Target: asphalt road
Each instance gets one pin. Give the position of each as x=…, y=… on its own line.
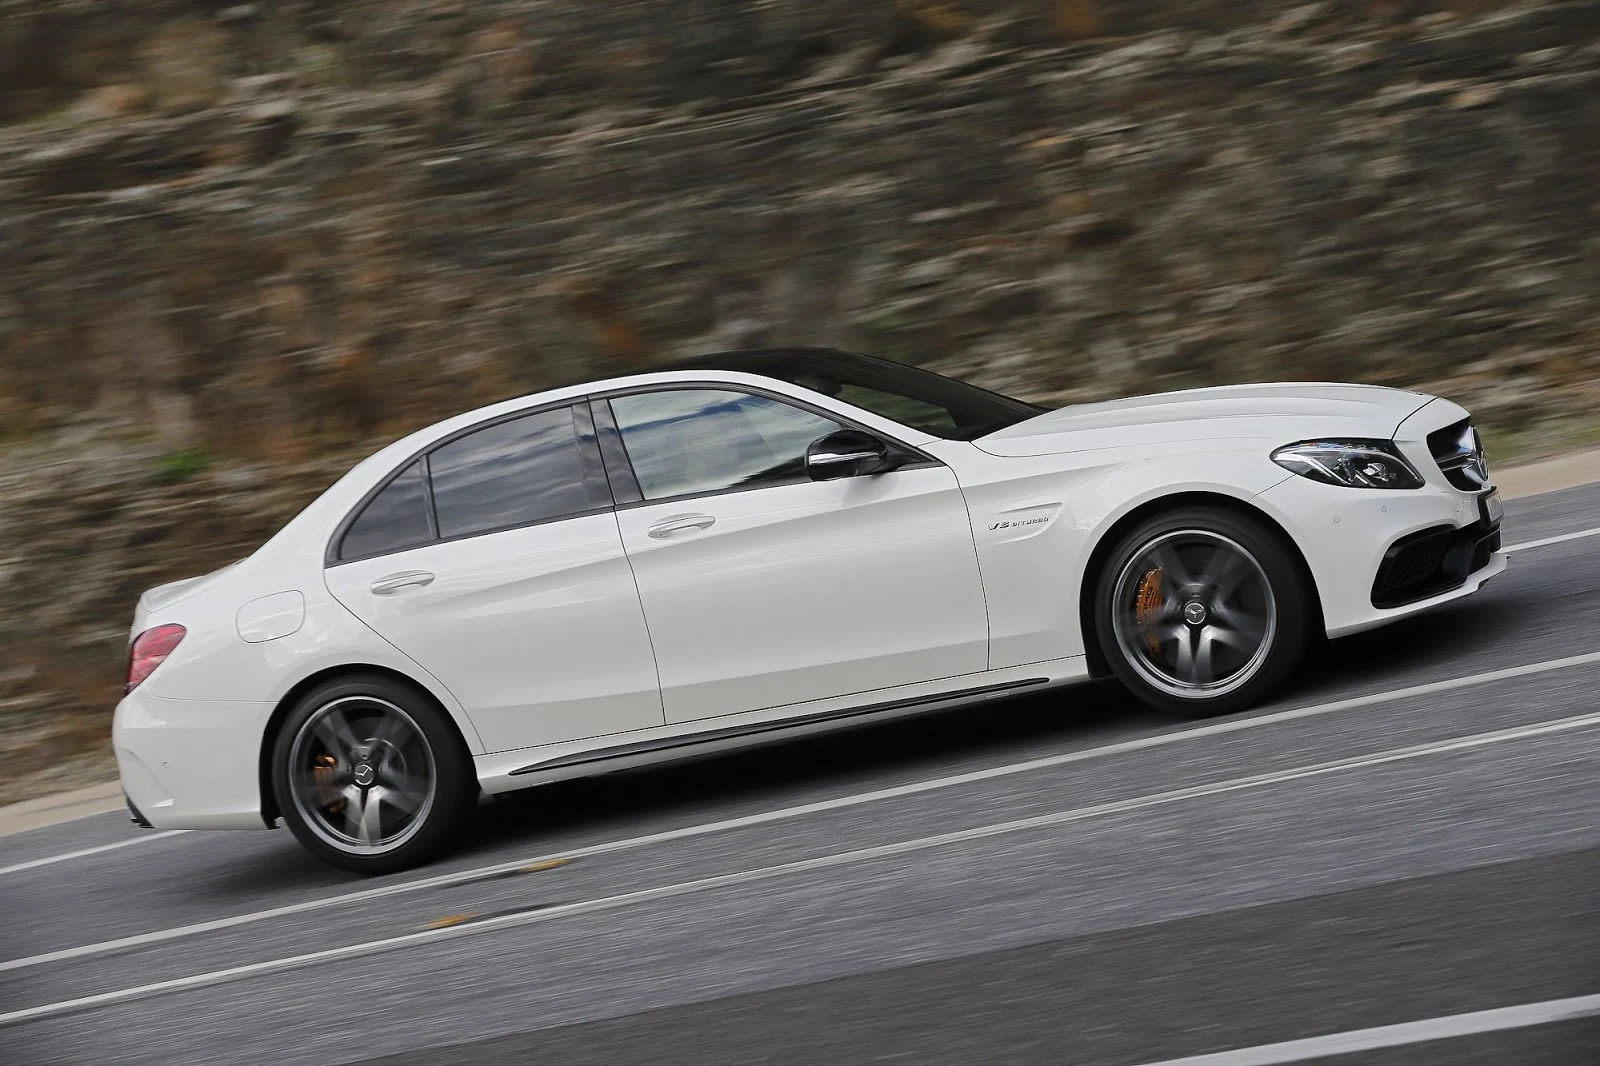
x=1408, y=836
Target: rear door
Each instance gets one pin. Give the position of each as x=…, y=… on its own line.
x=763, y=588
x=495, y=562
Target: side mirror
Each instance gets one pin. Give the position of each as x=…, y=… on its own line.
x=846, y=453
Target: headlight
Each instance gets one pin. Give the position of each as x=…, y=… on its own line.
x=1361, y=464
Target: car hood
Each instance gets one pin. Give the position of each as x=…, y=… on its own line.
x=1287, y=411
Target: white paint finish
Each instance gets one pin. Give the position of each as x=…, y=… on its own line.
x=808, y=591
x=1543, y=542
x=537, y=631
x=82, y=853
x=186, y=763
x=1449, y=1027
x=1285, y=412
x=822, y=862
x=1159, y=740
x=1343, y=533
x=793, y=595
x=498, y=772
x=1033, y=583
x=271, y=617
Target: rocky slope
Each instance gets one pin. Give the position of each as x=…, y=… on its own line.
x=245, y=242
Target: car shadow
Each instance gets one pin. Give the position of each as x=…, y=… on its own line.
x=777, y=771
x=797, y=770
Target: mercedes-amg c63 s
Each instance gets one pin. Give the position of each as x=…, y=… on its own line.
x=763, y=544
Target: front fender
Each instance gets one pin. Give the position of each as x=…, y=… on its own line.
x=1037, y=520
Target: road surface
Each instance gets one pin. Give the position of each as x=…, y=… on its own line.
x=1400, y=856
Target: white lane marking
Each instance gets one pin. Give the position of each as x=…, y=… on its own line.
x=50, y=860
x=1521, y=1016
x=768, y=873
x=1543, y=541
x=783, y=813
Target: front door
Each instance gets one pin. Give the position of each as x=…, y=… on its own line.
x=495, y=562
x=763, y=588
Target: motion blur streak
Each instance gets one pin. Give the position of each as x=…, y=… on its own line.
x=767, y=873
x=1384, y=1036
x=1142, y=743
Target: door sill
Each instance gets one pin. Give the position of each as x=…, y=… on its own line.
x=712, y=736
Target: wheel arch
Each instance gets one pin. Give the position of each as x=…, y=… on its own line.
x=1108, y=539
x=269, y=738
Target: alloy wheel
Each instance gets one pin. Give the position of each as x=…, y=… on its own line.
x=1194, y=613
x=362, y=775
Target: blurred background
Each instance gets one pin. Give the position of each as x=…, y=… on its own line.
x=242, y=245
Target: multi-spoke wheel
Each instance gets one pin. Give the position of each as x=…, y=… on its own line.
x=1201, y=611
x=369, y=775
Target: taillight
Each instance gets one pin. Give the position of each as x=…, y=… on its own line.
x=150, y=649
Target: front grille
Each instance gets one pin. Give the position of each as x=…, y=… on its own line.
x=1458, y=449
x=1433, y=561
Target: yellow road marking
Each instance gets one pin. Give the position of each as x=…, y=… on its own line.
x=539, y=867
x=448, y=920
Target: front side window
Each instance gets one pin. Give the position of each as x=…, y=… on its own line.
x=684, y=442
x=393, y=520
x=529, y=469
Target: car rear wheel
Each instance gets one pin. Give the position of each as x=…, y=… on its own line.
x=1201, y=611
x=370, y=775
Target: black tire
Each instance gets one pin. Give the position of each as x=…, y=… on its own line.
x=363, y=745
x=1240, y=644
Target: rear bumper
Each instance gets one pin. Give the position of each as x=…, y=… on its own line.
x=190, y=764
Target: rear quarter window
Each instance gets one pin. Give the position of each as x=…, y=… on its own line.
x=393, y=520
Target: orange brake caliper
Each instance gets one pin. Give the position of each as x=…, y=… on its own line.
x=1147, y=607
x=322, y=768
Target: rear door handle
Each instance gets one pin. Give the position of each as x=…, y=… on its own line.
x=668, y=526
x=392, y=583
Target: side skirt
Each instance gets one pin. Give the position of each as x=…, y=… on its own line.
x=713, y=736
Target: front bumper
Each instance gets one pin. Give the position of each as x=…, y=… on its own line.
x=1349, y=539
x=190, y=764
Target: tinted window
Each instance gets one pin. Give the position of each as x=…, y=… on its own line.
x=684, y=441
x=526, y=470
x=918, y=398
x=394, y=519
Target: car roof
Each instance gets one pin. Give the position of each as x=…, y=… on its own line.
x=765, y=360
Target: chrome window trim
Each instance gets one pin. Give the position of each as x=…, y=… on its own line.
x=592, y=465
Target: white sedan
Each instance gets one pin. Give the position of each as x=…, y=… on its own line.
x=763, y=544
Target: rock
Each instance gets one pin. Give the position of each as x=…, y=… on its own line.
x=502, y=58
x=111, y=102
x=1475, y=96
x=239, y=14
x=185, y=66
x=267, y=128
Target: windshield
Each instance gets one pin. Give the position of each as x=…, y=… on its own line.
x=917, y=398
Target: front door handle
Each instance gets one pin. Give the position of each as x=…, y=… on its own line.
x=668, y=526
x=389, y=585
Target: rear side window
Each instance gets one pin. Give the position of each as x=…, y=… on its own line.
x=394, y=519
x=530, y=469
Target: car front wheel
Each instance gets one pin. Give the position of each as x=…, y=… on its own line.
x=370, y=776
x=1201, y=611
